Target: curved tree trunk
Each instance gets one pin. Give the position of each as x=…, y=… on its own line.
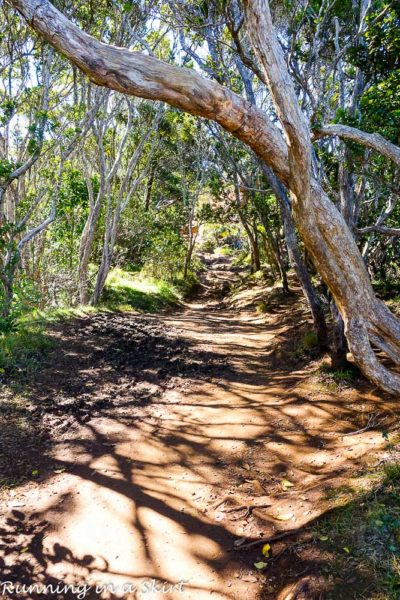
x=323, y=229
x=324, y=232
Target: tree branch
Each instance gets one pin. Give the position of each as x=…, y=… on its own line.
x=391, y=231
x=136, y=74
x=271, y=58
x=375, y=141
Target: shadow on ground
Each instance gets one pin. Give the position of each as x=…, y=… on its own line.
x=168, y=441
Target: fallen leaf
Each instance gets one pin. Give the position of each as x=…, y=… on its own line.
x=24, y=550
x=284, y=516
x=286, y=484
x=265, y=550
x=324, y=538
x=260, y=565
x=258, y=487
x=346, y=550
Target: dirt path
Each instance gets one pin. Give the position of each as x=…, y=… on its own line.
x=160, y=427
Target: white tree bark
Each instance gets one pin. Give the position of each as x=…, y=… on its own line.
x=136, y=74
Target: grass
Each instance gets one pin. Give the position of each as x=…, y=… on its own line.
x=336, y=379
x=307, y=344
x=339, y=493
x=262, y=307
x=241, y=258
x=361, y=540
x=224, y=251
x=22, y=350
x=309, y=341
x=126, y=291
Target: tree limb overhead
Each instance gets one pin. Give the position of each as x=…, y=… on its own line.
x=375, y=141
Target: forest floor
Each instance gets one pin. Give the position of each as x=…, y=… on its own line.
x=162, y=449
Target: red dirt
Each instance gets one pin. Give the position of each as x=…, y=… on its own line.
x=158, y=429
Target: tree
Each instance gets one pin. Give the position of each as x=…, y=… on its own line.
x=33, y=142
x=323, y=229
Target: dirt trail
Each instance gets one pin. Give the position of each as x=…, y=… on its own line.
x=145, y=450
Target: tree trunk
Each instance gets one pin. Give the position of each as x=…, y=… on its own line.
x=85, y=250
x=296, y=259
x=8, y=288
x=110, y=236
x=323, y=229
x=252, y=237
x=271, y=259
x=188, y=259
x=102, y=274
x=338, y=353
x=255, y=250
x=7, y=277
x=276, y=252
x=149, y=187
x=253, y=245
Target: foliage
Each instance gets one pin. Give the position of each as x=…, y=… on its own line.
x=309, y=340
x=362, y=539
x=344, y=376
x=23, y=349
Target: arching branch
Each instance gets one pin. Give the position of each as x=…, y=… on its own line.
x=139, y=75
x=375, y=141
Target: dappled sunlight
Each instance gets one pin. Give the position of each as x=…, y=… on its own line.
x=161, y=481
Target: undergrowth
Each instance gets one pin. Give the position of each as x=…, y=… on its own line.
x=22, y=349
x=126, y=291
x=362, y=540
x=336, y=379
